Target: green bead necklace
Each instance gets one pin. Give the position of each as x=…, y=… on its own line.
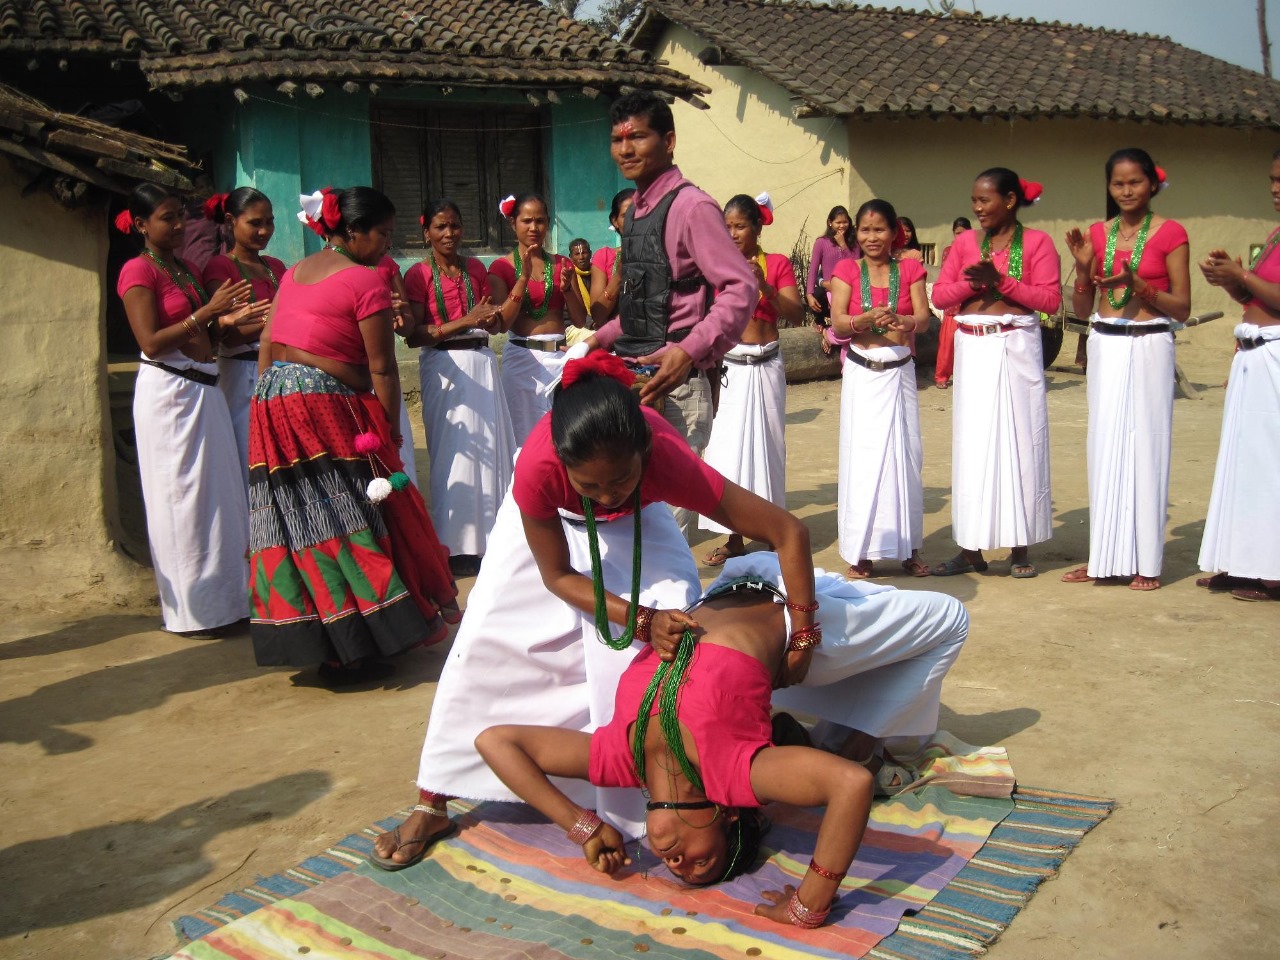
x=1108, y=263
x=548, y=278
x=597, y=577
x=191, y=289
x=1015, y=255
x=436, y=270
x=1266, y=249
x=895, y=287
x=244, y=275
x=669, y=678
x=338, y=248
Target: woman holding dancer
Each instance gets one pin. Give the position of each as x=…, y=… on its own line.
x=192, y=491
x=1138, y=266
x=606, y=272
x=999, y=282
x=537, y=298
x=247, y=213
x=1241, y=545
x=585, y=539
x=748, y=441
x=346, y=567
x=877, y=303
x=945, y=362
x=712, y=758
x=464, y=413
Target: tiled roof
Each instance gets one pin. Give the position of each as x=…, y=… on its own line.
x=84, y=151
x=849, y=60
x=190, y=43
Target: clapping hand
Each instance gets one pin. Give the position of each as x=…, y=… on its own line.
x=1220, y=269
x=1081, y=247
x=983, y=274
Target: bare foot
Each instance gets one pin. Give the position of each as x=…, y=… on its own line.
x=1144, y=583
x=419, y=829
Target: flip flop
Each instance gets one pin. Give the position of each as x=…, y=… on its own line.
x=451, y=615
x=917, y=568
x=1223, y=582
x=1146, y=585
x=958, y=565
x=1078, y=575
x=386, y=863
x=1023, y=571
x=863, y=570
x=718, y=556
x=1259, y=593
x=888, y=773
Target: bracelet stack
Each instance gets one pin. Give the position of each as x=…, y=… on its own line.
x=802, y=916
x=586, y=827
x=805, y=638
x=192, y=326
x=644, y=620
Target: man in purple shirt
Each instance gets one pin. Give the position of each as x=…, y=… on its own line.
x=687, y=291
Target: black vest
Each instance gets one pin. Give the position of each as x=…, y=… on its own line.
x=644, y=305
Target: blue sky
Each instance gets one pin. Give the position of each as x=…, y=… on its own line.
x=1227, y=29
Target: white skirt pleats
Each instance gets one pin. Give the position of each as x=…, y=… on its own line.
x=196, y=503
x=523, y=656
x=1000, y=485
x=1130, y=389
x=880, y=501
x=1242, y=530
x=407, y=456
x=526, y=377
x=236, y=380
x=884, y=652
x=748, y=436
x=469, y=440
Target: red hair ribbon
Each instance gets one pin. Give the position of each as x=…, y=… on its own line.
x=124, y=221
x=1031, y=190
x=422, y=221
x=765, y=203
x=508, y=206
x=600, y=363
x=330, y=212
x=1161, y=177
x=899, y=237
x=215, y=208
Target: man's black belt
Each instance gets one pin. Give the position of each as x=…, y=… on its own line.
x=195, y=376
x=247, y=355
x=467, y=343
x=1129, y=329
x=1251, y=344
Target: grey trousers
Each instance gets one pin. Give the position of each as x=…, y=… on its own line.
x=688, y=409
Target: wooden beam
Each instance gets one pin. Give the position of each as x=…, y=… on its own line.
x=141, y=171
x=23, y=125
x=46, y=159
x=82, y=143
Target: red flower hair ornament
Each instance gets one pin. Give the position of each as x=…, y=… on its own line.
x=215, y=208
x=1162, y=179
x=600, y=363
x=1031, y=190
x=320, y=211
x=508, y=206
x=765, y=203
x=124, y=221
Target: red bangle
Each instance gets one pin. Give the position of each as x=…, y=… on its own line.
x=802, y=916
x=802, y=607
x=586, y=827
x=805, y=638
x=824, y=872
x=644, y=620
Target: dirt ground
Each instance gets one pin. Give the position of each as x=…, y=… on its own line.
x=145, y=775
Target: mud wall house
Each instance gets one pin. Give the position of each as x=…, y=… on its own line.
x=824, y=104
x=59, y=511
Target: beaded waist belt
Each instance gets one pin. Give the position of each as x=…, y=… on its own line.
x=1129, y=329
x=195, y=376
x=469, y=343
x=750, y=360
x=546, y=346
x=247, y=355
x=986, y=329
x=878, y=365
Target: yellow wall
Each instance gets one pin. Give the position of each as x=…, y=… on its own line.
x=54, y=445
x=748, y=141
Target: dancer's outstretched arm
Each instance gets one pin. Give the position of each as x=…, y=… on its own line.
x=525, y=758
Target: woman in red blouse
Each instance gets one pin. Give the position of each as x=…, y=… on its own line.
x=247, y=214
x=606, y=278
x=195, y=502
x=1136, y=264
x=748, y=441
x=464, y=412
x=1000, y=278
x=346, y=567
x=537, y=298
x=877, y=303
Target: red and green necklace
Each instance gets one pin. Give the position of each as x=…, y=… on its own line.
x=548, y=276
x=895, y=287
x=1108, y=263
x=191, y=290
x=1015, y=256
x=436, y=270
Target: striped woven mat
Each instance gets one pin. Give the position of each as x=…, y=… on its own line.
x=938, y=876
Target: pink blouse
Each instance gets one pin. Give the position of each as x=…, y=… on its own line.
x=605, y=258
x=1268, y=269
x=505, y=271
x=222, y=269
x=909, y=271
x=421, y=289
x=1154, y=269
x=173, y=304
x=1039, y=290
x=324, y=318
x=778, y=273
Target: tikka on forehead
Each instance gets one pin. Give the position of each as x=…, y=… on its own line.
x=626, y=128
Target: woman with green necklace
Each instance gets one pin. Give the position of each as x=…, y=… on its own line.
x=1000, y=278
x=1138, y=266
x=584, y=544
x=877, y=303
x=195, y=501
x=464, y=412
x=537, y=297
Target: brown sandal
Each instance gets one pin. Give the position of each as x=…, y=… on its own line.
x=862, y=570
x=917, y=567
x=1078, y=575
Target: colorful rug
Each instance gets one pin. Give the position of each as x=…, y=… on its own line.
x=938, y=876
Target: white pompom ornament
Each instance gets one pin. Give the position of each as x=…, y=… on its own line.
x=379, y=489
